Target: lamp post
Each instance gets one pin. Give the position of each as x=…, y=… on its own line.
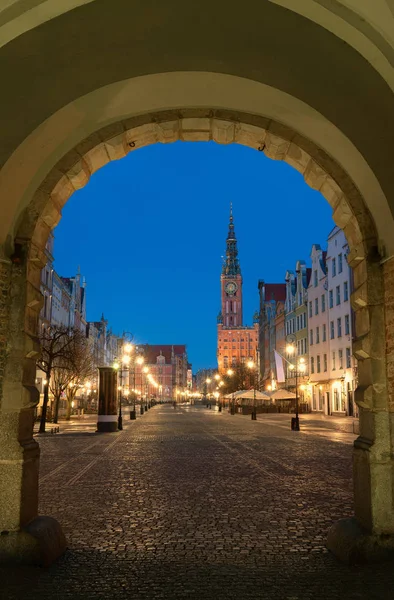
x=146, y=371
x=220, y=384
x=123, y=364
x=217, y=377
x=208, y=381
x=139, y=361
x=298, y=368
x=230, y=373
x=120, y=418
x=251, y=365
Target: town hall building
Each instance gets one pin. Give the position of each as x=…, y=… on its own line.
x=237, y=343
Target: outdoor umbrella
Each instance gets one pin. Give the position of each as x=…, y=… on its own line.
x=251, y=394
x=281, y=395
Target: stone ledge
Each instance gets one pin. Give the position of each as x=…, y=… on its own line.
x=352, y=544
x=40, y=543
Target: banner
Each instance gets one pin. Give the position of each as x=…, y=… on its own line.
x=280, y=372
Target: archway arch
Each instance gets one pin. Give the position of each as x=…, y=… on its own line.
x=93, y=100
x=44, y=211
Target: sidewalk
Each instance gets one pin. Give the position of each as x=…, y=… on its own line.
x=311, y=421
x=86, y=423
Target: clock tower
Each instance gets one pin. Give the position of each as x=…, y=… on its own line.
x=237, y=343
x=231, y=281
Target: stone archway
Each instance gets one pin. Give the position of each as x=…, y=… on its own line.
x=307, y=81
x=373, y=467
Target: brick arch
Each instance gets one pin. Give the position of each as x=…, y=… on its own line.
x=278, y=142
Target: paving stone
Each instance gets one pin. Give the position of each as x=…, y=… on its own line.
x=197, y=504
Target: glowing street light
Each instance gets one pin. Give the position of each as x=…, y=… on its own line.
x=208, y=381
x=298, y=368
x=251, y=365
x=230, y=373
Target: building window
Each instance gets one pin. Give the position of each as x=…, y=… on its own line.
x=325, y=362
x=347, y=325
x=338, y=295
x=339, y=327
x=298, y=323
x=333, y=361
x=310, y=308
x=345, y=291
x=312, y=364
x=317, y=335
x=324, y=332
x=340, y=358
x=318, y=363
x=334, y=267
x=348, y=358
x=311, y=337
x=332, y=331
x=323, y=303
x=315, y=278
x=340, y=263
x=330, y=298
x=316, y=306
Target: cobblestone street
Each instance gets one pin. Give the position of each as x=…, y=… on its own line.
x=192, y=503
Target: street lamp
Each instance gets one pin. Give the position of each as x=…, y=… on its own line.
x=139, y=361
x=251, y=365
x=230, y=373
x=116, y=366
x=120, y=365
x=208, y=381
x=220, y=384
x=146, y=371
x=298, y=368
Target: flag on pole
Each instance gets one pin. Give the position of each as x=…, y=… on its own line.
x=280, y=372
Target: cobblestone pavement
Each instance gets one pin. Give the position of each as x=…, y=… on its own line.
x=192, y=503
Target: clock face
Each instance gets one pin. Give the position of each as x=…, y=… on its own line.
x=231, y=288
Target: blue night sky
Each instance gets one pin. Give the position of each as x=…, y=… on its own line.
x=149, y=231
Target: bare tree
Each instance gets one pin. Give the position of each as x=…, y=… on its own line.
x=56, y=343
x=82, y=369
x=62, y=375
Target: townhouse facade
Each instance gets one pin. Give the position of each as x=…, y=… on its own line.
x=168, y=371
x=271, y=328
x=318, y=326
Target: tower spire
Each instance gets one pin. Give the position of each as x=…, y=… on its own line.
x=231, y=266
